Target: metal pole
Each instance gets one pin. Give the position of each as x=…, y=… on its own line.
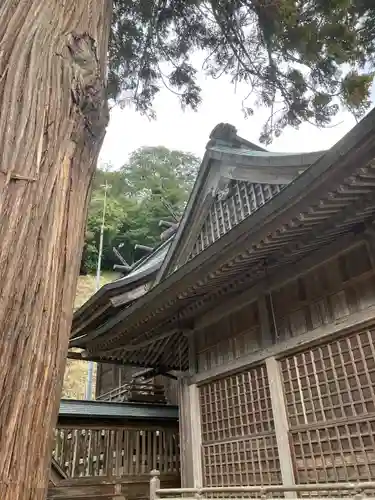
x=90, y=368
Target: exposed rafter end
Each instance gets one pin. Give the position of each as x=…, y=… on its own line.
x=145, y=343
x=119, y=256
x=160, y=370
x=144, y=248
x=166, y=223
x=78, y=356
x=122, y=268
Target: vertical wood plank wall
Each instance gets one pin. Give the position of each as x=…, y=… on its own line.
x=236, y=335
x=327, y=391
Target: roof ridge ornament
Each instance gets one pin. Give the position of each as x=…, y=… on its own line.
x=224, y=132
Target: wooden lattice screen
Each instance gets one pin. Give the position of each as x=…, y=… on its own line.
x=242, y=200
x=330, y=401
x=238, y=437
x=116, y=452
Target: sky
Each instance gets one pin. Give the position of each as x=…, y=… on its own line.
x=189, y=131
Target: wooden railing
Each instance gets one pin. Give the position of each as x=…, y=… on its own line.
x=318, y=491
x=136, y=392
x=116, y=451
x=106, y=488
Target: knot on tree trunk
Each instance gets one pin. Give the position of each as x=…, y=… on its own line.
x=88, y=92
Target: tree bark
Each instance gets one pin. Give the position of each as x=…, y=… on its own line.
x=53, y=115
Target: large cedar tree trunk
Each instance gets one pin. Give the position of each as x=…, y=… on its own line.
x=53, y=116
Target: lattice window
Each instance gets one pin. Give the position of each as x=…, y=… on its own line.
x=335, y=453
x=333, y=381
x=330, y=402
x=239, y=444
x=243, y=199
x=245, y=462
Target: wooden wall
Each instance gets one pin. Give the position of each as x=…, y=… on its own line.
x=236, y=335
x=337, y=288
x=323, y=394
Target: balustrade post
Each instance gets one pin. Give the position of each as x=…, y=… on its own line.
x=154, y=484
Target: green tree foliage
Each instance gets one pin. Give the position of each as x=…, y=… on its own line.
x=302, y=59
x=153, y=185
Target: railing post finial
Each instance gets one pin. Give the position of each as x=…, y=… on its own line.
x=154, y=484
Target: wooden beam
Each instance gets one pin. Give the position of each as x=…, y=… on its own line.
x=107, y=488
x=81, y=325
x=153, y=372
x=194, y=214
x=238, y=300
x=100, y=423
x=144, y=248
x=98, y=359
x=355, y=321
x=281, y=423
x=263, y=175
x=145, y=343
x=130, y=295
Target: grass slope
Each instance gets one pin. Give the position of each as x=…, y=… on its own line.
x=76, y=371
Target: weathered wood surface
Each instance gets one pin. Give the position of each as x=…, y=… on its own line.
x=56, y=473
x=116, y=451
x=136, y=392
x=331, y=295
x=53, y=116
x=326, y=491
x=105, y=488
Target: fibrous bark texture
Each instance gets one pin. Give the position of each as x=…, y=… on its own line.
x=53, y=116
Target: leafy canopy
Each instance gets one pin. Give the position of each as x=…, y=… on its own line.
x=302, y=59
x=153, y=185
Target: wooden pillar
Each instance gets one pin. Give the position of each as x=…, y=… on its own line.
x=192, y=353
x=370, y=240
x=190, y=435
x=281, y=423
x=196, y=438
x=265, y=324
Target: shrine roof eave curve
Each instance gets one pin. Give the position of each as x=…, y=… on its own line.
x=331, y=198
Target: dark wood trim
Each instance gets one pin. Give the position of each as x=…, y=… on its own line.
x=349, y=154
x=238, y=300
x=354, y=322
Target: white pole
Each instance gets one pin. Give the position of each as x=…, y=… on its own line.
x=90, y=368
